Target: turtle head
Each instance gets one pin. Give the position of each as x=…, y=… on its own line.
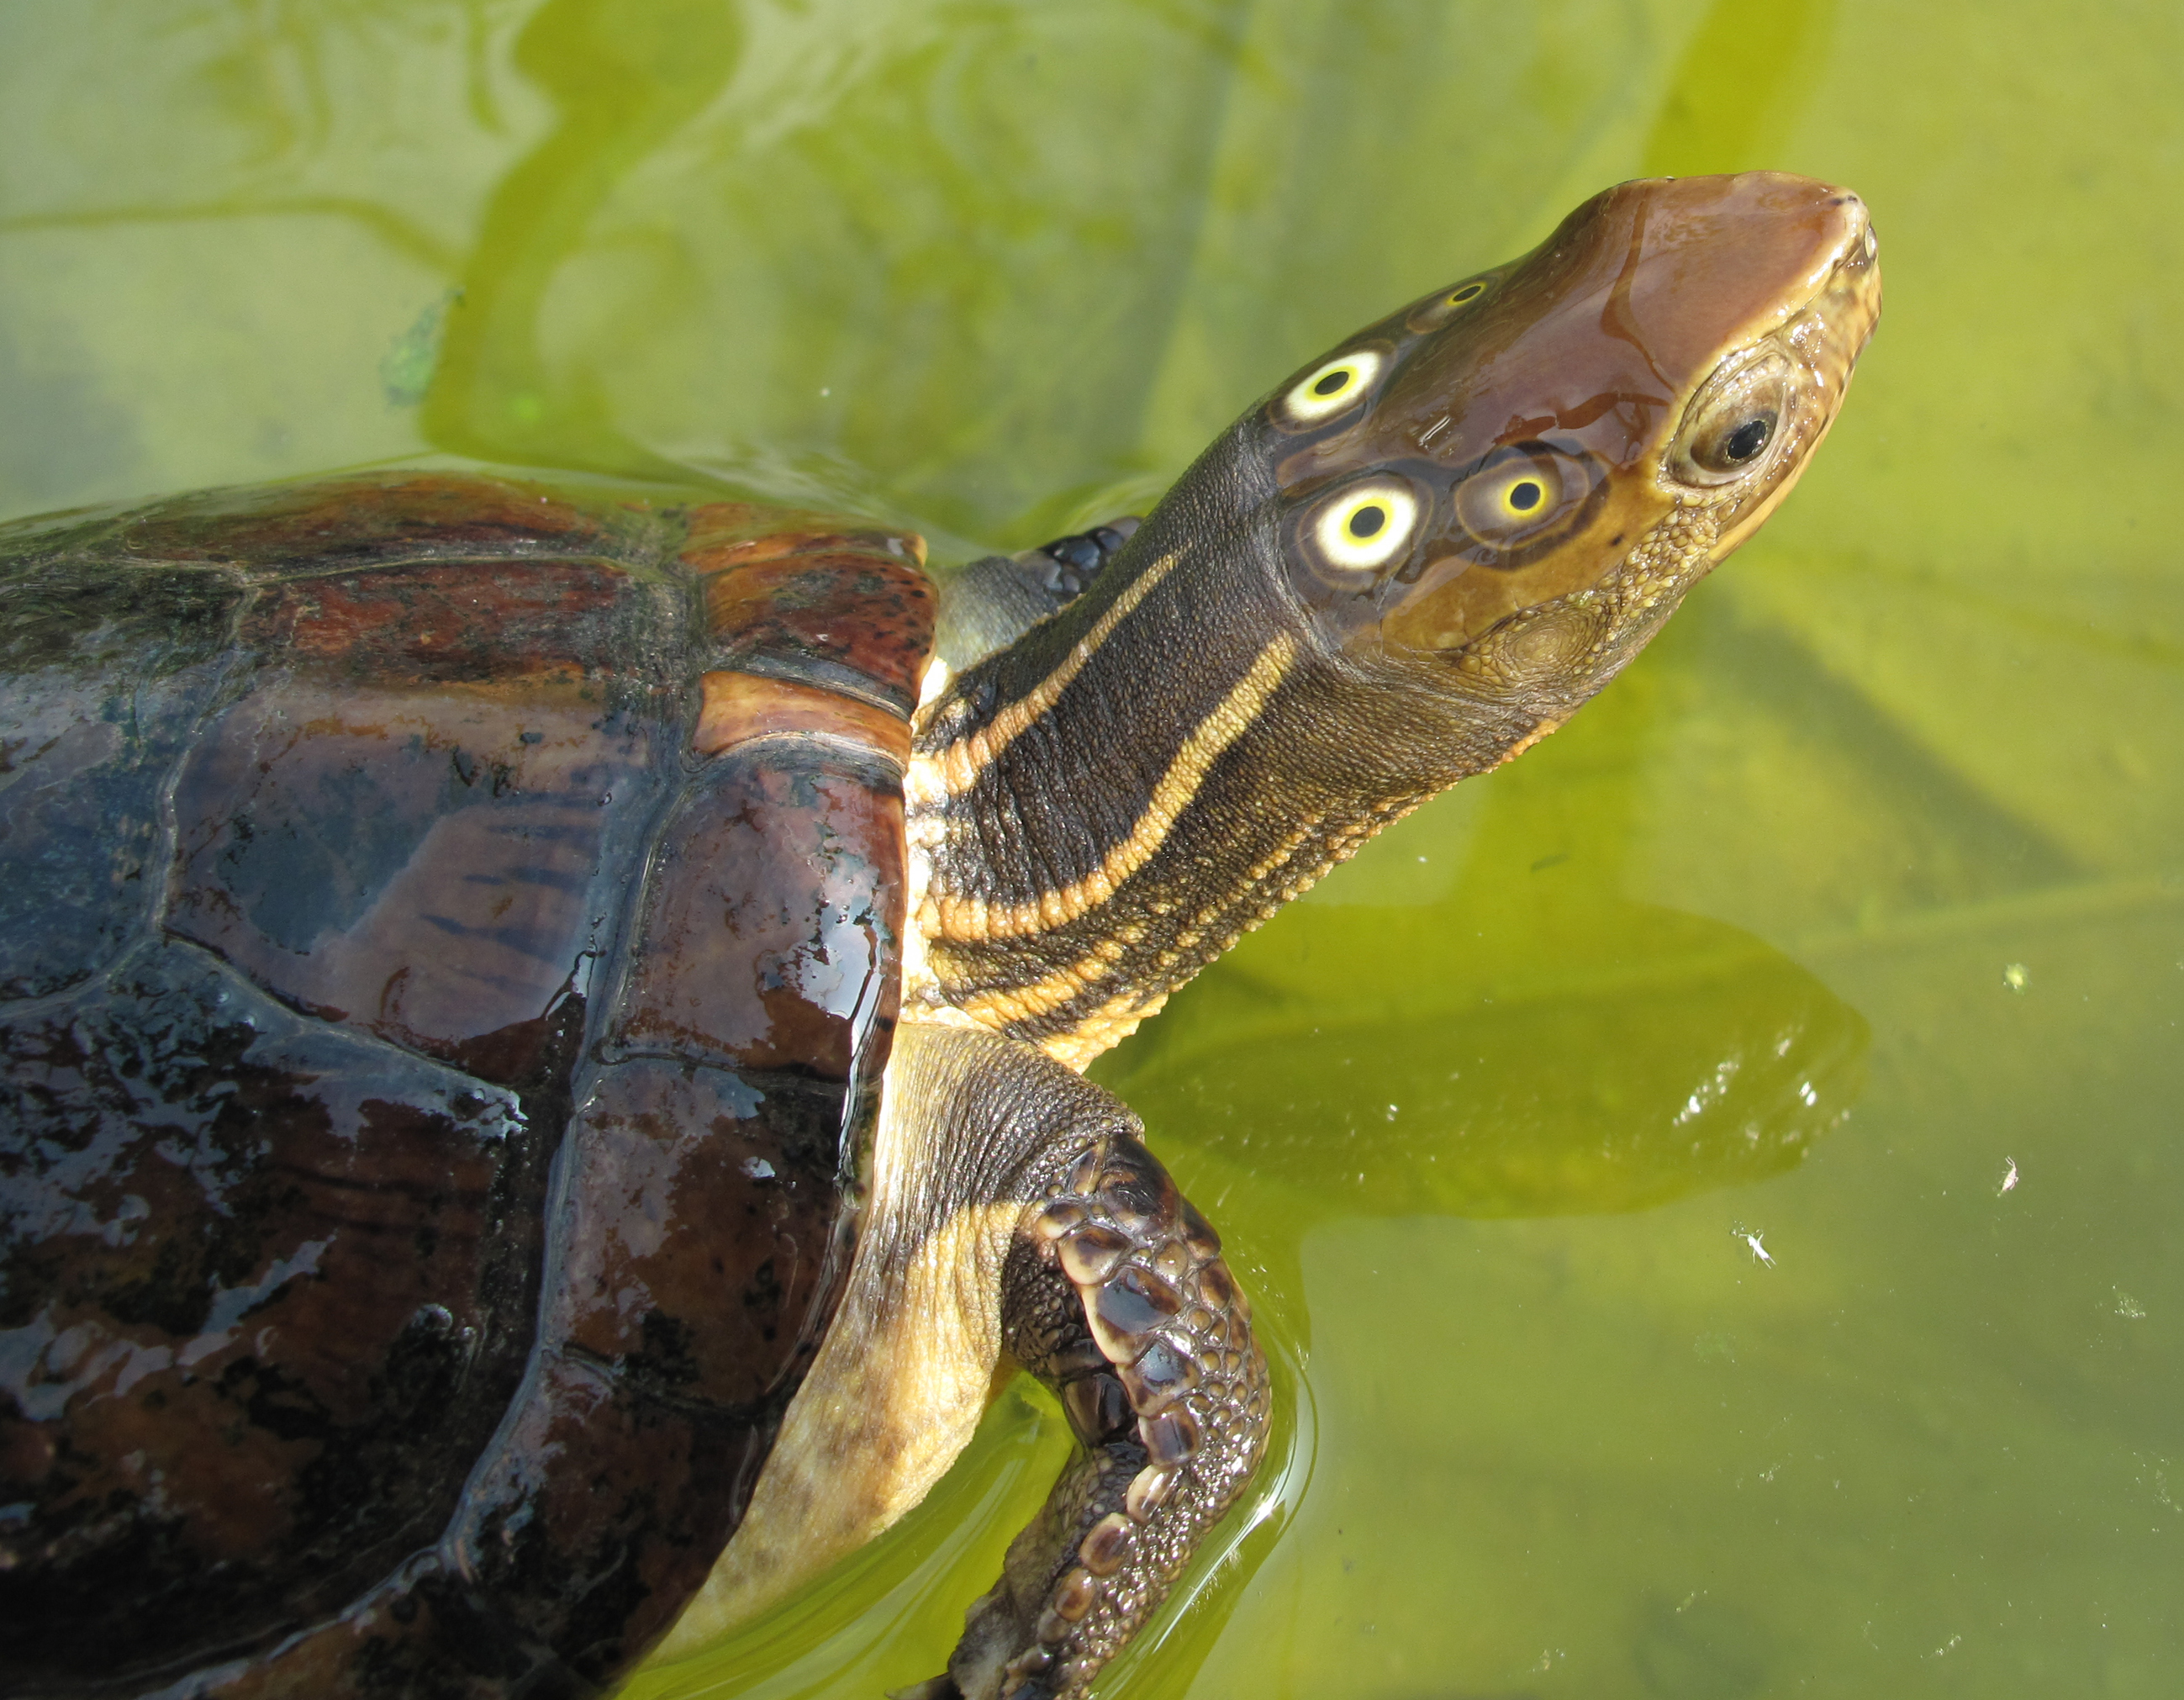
x=1412, y=560
x=1503, y=489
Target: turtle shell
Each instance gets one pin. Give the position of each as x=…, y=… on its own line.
x=448, y=954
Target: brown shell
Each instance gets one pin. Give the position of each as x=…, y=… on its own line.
x=447, y=949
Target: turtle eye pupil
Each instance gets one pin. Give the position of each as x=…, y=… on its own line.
x=1367, y=520
x=1525, y=497
x=1332, y=382
x=1748, y=438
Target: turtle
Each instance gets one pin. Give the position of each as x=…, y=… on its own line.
x=545, y=1023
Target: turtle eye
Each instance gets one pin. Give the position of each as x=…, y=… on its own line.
x=1735, y=425
x=1733, y=443
x=1510, y=497
x=1365, y=527
x=1329, y=388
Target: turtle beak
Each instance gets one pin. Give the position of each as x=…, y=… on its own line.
x=1716, y=262
x=1848, y=302
x=1827, y=331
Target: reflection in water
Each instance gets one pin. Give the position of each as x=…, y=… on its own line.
x=626, y=74
x=1929, y=724
x=1606, y=1059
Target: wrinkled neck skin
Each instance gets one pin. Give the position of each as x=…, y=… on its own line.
x=1099, y=810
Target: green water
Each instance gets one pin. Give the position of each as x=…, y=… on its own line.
x=1888, y=822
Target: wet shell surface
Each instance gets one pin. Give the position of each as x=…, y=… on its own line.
x=434, y=874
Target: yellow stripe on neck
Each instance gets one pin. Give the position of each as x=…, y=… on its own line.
x=965, y=920
x=952, y=771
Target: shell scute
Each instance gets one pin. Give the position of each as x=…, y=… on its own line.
x=596, y=1559
x=284, y=1277
x=678, y=1160
x=428, y=862
x=335, y=524
x=430, y=924
x=488, y=623
x=772, y=917
x=103, y=679
x=811, y=597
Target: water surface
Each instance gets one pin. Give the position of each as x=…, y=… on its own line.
x=1861, y=887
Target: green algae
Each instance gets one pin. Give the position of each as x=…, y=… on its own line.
x=999, y=268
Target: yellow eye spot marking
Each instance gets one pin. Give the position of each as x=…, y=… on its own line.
x=1367, y=527
x=1510, y=498
x=1436, y=311
x=1339, y=384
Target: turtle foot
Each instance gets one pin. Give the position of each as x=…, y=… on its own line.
x=1117, y=1295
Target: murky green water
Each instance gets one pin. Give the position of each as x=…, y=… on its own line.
x=1888, y=822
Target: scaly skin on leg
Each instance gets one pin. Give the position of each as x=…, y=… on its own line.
x=1115, y=1295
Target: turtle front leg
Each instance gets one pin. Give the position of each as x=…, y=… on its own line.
x=989, y=603
x=1114, y=1294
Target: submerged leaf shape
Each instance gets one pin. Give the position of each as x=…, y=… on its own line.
x=1605, y=1061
